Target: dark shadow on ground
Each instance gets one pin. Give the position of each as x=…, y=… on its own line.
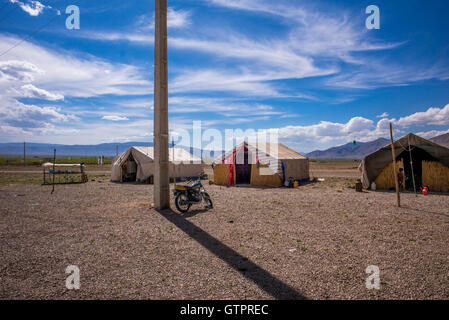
x=262, y=278
x=194, y=212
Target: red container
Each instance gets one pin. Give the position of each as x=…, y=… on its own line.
x=425, y=191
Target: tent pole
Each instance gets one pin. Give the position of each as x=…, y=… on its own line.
x=411, y=164
x=54, y=161
x=398, y=197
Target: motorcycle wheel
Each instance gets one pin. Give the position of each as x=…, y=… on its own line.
x=182, y=207
x=208, y=200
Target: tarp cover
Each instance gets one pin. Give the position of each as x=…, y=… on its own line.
x=186, y=164
x=373, y=164
x=50, y=164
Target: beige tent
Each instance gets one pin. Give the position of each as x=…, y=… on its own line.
x=136, y=164
x=430, y=165
x=260, y=164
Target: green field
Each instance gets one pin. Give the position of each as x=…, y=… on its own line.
x=20, y=178
x=39, y=160
x=8, y=178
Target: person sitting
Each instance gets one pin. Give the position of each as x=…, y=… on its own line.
x=401, y=178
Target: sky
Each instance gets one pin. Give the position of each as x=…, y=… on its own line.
x=309, y=70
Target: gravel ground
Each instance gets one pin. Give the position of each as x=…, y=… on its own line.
x=314, y=242
x=334, y=169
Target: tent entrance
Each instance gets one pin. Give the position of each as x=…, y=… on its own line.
x=418, y=156
x=242, y=167
x=129, y=170
x=243, y=173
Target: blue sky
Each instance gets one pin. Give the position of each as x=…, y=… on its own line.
x=309, y=69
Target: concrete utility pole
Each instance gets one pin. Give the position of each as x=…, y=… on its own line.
x=161, y=156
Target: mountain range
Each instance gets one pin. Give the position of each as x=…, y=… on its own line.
x=44, y=149
x=348, y=151
x=105, y=149
x=442, y=140
x=359, y=150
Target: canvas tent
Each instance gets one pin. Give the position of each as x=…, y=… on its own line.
x=430, y=165
x=260, y=164
x=136, y=164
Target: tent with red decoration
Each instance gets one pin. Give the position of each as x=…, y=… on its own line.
x=260, y=164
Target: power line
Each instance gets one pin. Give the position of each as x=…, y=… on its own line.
x=29, y=36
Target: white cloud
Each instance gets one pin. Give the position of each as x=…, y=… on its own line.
x=145, y=28
x=178, y=18
x=115, y=118
x=377, y=74
x=142, y=38
x=326, y=134
x=226, y=107
x=175, y=19
x=383, y=115
x=256, y=63
x=291, y=12
x=316, y=44
x=6, y=130
x=39, y=73
x=358, y=124
x=432, y=116
x=326, y=131
x=220, y=81
x=33, y=8
x=14, y=70
x=32, y=116
x=30, y=91
x=431, y=133
x=317, y=33
x=276, y=59
x=70, y=75
x=15, y=82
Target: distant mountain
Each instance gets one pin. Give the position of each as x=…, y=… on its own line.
x=349, y=151
x=105, y=149
x=43, y=149
x=442, y=140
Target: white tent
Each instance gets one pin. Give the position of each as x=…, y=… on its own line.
x=139, y=161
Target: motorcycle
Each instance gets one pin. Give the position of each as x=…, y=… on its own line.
x=192, y=193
